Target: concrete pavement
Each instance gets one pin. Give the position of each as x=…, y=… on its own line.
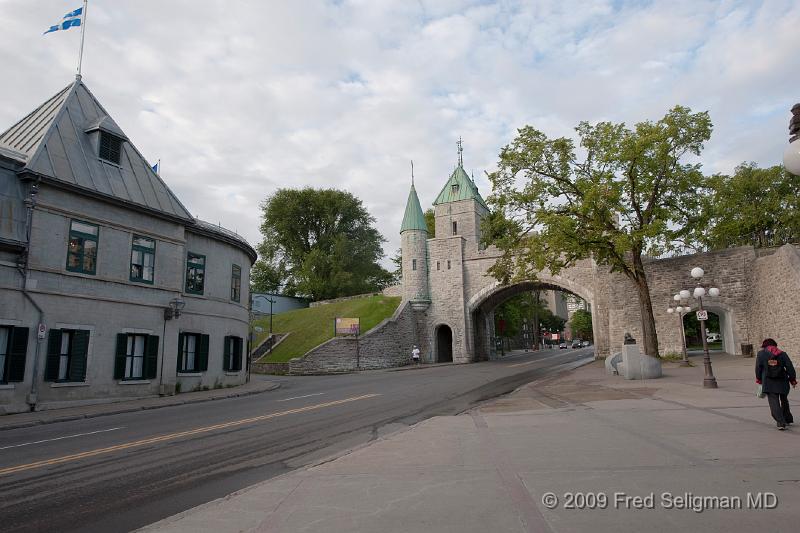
x=601, y=443
x=122, y=405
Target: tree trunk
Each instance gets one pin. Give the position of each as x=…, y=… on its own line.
x=649, y=335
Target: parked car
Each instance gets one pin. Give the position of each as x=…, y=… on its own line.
x=576, y=344
x=586, y=343
x=713, y=337
x=563, y=345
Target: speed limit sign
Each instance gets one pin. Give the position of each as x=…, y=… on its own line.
x=702, y=315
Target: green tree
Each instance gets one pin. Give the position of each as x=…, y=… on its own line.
x=430, y=222
x=630, y=192
x=581, y=324
x=755, y=206
x=319, y=243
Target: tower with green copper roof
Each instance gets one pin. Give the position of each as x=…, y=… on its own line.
x=459, y=207
x=414, y=250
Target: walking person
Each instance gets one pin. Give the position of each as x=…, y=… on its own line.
x=774, y=372
x=415, y=355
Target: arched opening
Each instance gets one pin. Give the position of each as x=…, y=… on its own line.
x=444, y=344
x=494, y=330
x=719, y=331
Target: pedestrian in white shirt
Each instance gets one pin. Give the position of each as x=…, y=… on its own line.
x=415, y=355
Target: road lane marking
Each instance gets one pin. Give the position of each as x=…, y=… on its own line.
x=61, y=438
x=559, y=354
x=173, y=436
x=297, y=397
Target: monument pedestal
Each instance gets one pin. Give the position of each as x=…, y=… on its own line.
x=636, y=365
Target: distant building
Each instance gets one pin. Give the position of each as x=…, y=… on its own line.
x=279, y=304
x=109, y=288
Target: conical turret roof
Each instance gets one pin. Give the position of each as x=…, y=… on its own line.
x=414, y=218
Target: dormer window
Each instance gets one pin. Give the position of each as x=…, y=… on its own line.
x=110, y=147
x=454, y=188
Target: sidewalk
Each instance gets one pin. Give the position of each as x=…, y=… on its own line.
x=121, y=405
x=580, y=432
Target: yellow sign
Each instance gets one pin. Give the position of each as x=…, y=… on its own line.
x=347, y=326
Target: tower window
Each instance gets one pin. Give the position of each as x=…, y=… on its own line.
x=438, y=265
x=455, y=228
x=448, y=264
x=110, y=147
x=413, y=264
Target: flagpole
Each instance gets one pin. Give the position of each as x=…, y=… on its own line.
x=83, y=33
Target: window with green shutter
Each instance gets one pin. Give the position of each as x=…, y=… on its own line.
x=67, y=351
x=195, y=273
x=232, y=357
x=13, y=353
x=143, y=259
x=192, y=352
x=82, y=247
x=136, y=357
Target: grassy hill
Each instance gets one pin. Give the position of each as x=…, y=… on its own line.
x=312, y=326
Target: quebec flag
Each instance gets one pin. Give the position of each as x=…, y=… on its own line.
x=71, y=20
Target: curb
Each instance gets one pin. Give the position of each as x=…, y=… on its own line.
x=130, y=409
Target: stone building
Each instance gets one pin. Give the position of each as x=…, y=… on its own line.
x=109, y=287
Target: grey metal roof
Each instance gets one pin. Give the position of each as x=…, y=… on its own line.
x=208, y=227
x=54, y=141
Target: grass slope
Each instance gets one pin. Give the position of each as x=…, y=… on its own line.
x=312, y=326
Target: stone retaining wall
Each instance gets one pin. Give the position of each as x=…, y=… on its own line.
x=343, y=299
x=775, y=301
x=386, y=345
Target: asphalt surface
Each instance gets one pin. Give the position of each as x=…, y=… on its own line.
x=120, y=472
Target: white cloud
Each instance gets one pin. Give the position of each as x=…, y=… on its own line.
x=240, y=98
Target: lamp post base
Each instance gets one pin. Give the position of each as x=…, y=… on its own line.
x=710, y=383
x=684, y=362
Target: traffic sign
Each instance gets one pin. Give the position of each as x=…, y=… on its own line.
x=702, y=315
x=41, y=331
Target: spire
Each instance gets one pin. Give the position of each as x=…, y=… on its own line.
x=460, y=145
x=412, y=173
x=414, y=218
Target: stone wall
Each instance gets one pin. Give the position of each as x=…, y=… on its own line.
x=393, y=291
x=386, y=345
x=774, y=301
x=342, y=299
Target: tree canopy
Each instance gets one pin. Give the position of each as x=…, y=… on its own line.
x=755, y=206
x=620, y=193
x=319, y=243
x=581, y=324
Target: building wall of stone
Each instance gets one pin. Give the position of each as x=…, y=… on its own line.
x=467, y=214
x=109, y=303
x=388, y=344
x=413, y=244
x=775, y=301
x=448, y=296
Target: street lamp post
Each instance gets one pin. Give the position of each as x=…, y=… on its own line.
x=709, y=381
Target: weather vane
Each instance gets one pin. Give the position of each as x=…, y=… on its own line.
x=460, y=152
x=412, y=172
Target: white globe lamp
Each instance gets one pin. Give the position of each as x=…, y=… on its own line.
x=671, y=310
x=685, y=294
x=699, y=292
x=697, y=272
x=713, y=292
x=677, y=297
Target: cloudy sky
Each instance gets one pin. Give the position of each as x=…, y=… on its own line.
x=241, y=97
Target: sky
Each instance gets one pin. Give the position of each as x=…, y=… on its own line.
x=239, y=98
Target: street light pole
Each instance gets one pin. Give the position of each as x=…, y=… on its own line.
x=709, y=381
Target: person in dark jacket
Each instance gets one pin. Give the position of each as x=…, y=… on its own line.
x=774, y=371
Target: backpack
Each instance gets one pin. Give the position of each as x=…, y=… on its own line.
x=774, y=368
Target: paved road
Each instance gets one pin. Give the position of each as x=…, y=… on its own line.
x=120, y=472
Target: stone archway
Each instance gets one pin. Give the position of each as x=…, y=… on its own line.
x=444, y=344
x=481, y=309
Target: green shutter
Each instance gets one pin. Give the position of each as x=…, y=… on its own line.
x=226, y=355
x=151, y=357
x=180, y=349
x=239, y=344
x=18, y=352
x=121, y=353
x=77, y=359
x=202, y=354
x=53, y=354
